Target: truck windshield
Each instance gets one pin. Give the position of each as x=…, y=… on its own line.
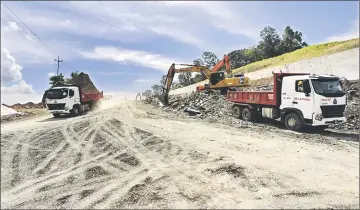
x=329, y=88
x=57, y=93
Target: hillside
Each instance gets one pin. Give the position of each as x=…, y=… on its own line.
x=301, y=54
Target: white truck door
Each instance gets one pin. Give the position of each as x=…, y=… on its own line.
x=303, y=102
x=287, y=93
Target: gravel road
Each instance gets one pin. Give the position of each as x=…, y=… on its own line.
x=132, y=156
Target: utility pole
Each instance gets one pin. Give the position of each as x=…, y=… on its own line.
x=58, y=62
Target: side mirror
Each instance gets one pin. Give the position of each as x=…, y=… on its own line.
x=306, y=87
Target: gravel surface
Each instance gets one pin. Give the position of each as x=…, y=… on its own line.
x=134, y=156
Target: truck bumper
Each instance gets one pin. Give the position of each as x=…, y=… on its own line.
x=59, y=112
x=328, y=121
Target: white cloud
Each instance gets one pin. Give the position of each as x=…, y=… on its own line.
x=145, y=81
x=50, y=74
x=139, y=21
x=135, y=57
x=352, y=33
x=10, y=70
x=22, y=87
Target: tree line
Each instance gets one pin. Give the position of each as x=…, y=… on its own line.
x=269, y=46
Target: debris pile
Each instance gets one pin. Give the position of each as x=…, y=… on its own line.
x=28, y=105
x=83, y=80
x=210, y=107
x=352, y=108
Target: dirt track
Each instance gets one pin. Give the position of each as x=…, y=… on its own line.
x=130, y=156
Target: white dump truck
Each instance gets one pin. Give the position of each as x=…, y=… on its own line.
x=298, y=100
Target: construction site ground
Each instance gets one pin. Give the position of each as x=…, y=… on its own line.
x=130, y=155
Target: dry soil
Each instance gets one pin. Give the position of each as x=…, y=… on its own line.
x=131, y=156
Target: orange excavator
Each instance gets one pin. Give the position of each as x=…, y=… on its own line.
x=217, y=80
x=223, y=62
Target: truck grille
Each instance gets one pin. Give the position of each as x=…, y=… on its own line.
x=333, y=111
x=56, y=106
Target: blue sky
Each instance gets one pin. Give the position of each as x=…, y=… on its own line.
x=127, y=46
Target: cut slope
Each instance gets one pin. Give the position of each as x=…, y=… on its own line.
x=301, y=54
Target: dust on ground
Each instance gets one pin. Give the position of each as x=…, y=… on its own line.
x=132, y=156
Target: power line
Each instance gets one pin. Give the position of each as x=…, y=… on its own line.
x=28, y=28
x=34, y=34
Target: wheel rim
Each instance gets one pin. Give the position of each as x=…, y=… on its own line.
x=247, y=115
x=291, y=122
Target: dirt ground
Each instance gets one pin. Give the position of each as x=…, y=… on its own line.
x=132, y=156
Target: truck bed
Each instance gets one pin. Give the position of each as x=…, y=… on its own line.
x=87, y=97
x=252, y=97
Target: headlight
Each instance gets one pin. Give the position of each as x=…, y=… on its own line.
x=318, y=117
x=66, y=108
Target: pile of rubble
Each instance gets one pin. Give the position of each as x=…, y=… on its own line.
x=210, y=107
x=83, y=80
x=352, y=108
x=17, y=116
x=28, y=105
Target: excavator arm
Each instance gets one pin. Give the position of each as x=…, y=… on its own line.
x=223, y=62
x=170, y=77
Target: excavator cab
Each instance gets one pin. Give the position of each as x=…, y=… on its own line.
x=216, y=77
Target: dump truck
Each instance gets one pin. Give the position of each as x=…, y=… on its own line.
x=74, y=98
x=297, y=100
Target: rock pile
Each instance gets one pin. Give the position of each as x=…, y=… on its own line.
x=28, y=105
x=352, y=108
x=17, y=116
x=83, y=80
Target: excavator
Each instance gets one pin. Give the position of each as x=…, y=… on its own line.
x=223, y=62
x=217, y=80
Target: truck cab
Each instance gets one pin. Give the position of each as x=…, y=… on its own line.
x=317, y=100
x=63, y=100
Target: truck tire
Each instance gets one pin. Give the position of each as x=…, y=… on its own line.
x=293, y=122
x=223, y=91
x=56, y=115
x=247, y=114
x=75, y=111
x=237, y=112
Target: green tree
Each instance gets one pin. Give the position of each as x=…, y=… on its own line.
x=57, y=78
x=185, y=78
x=270, y=43
x=291, y=40
x=209, y=59
x=197, y=78
x=198, y=62
x=147, y=93
x=163, y=80
x=157, y=89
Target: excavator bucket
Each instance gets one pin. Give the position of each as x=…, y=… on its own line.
x=164, y=99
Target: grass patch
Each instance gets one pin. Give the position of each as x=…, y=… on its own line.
x=301, y=54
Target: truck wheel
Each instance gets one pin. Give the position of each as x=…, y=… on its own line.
x=237, y=112
x=223, y=91
x=293, y=122
x=56, y=115
x=75, y=111
x=247, y=114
